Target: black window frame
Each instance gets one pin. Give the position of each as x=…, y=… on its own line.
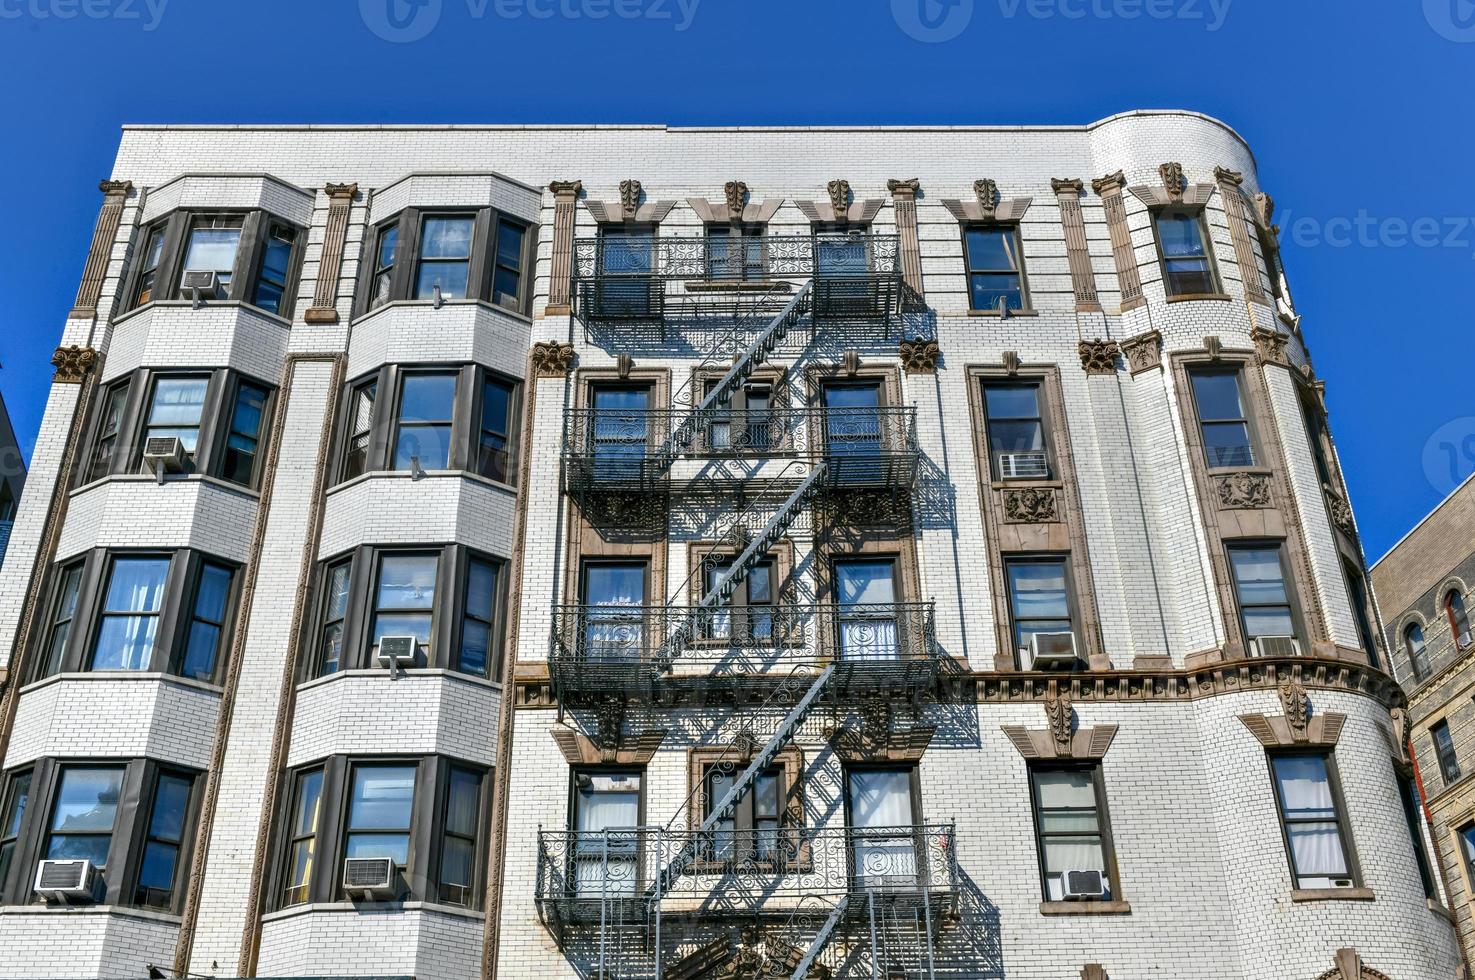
x=134, y=393
x=1199, y=215
x=129, y=835
x=482, y=263
x=724, y=233
x=420, y=879
x=1293, y=601
x=1339, y=804
x=175, y=615
x=1362, y=610
x=1014, y=232
x=380, y=438
x=175, y=230
x=1103, y=825
x=1413, y=812
x=745, y=832
x=913, y=772
x=1252, y=435
x=1445, y=753
x=447, y=614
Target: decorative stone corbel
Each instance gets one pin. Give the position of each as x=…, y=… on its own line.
x=850, y=363
x=736, y=193
x=629, y=198
x=920, y=356
x=552, y=359
x=1094, y=971
x=624, y=365
x=839, y=209
x=877, y=737
x=1061, y=718
x=988, y=206
x=1061, y=739
x=1099, y=356
x=579, y=749
x=1143, y=352
x=1215, y=348
x=630, y=207
x=1174, y=189
x=1298, y=725
x=987, y=192
x=1011, y=362
x=1270, y=346
x=73, y=364
x=1397, y=735
x=734, y=207
x=839, y=195
x=1173, y=181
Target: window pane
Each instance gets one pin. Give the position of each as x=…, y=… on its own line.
x=457, y=863
x=406, y=582
x=213, y=249
x=446, y=238
x=1228, y=444
x=211, y=596
x=176, y=409
x=880, y=798
x=87, y=847
x=1306, y=792
x=156, y=875
x=20, y=793
x=125, y=643
x=1180, y=235
x=1012, y=401
x=462, y=801
x=1217, y=395
x=1269, y=622
x=451, y=277
x=481, y=589
x=171, y=799
x=245, y=434
x=428, y=398
x=991, y=249
x=1258, y=575
x=509, y=245
x=476, y=643
x=1016, y=437
x=396, y=847
x=381, y=798
x=988, y=290
x=136, y=585
x=1038, y=590
x=309, y=790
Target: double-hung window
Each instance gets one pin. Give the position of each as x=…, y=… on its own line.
x=1311, y=816
x=176, y=410
x=128, y=625
x=1413, y=812
x=83, y=815
x=205, y=639
x=160, y=872
x=747, y=617
x=380, y=808
x=1188, y=266
x=494, y=449
x=63, y=615
x=148, y=268
x=749, y=832
x=1417, y=650
x=478, y=623
x=1016, y=430
x=605, y=818
x=335, y=610
x=1459, y=619
x=404, y=598
x=995, y=268
x=211, y=246
x=241, y=463
x=1444, y=751
x=1039, y=605
x=1265, y=609
x=109, y=424
x=427, y=412
x=445, y=256
x=306, y=815
x=507, y=264
x=458, y=855
x=255, y=257
x=1222, y=419
x=884, y=835
x=274, y=268
x=1070, y=819
x=735, y=251
x=386, y=255
x=450, y=256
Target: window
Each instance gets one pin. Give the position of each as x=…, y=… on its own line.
x=274, y=269
x=460, y=418
x=165, y=613
x=12, y=815
x=1039, y=598
x=1070, y=820
x=1260, y=586
x=751, y=831
x=307, y=799
x=218, y=417
x=212, y=245
x=615, y=594
x=448, y=598
x=1459, y=622
x=1467, y=851
x=254, y=254
x=603, y=816
x=458, y=864
x=478, y=255
x=884, y=836
x=627, y=255
x=735, y=251
x=7, y=503
x=404, y=598
x=1016, y=430
x=1417, y=650
x=1444, y=750
x=1222, y=419
x=83, y=815
x=995, y=271
x=747, y=616
x=161, y=872
x=428, y=815
x=1188, y=269
x=619, y=433
x=1316, y=434
x=1311, y=817
x=866, y=607
x=1413, y=812
x=1361, y=613
x=129, y=622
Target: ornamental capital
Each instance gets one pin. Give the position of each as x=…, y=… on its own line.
x=1114, y=181
x=1067, y=185
x=341, y=192
x=119, y=188
x=552, y=359
x=566, y=188
x=73, y=364
x=1226, y=176
x=1099, y=356
x=907, y=187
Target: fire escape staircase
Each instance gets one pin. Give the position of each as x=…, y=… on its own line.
x=822, y=938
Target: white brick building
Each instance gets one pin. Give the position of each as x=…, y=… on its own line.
x=685, y=553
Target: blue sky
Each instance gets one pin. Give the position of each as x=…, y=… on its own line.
x=1359, y=112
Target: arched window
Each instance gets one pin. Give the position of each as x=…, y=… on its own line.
x=1413, y=645
x=1459, y=622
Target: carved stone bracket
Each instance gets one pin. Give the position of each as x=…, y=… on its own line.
x=552, y=359
x=1270, y=346
x=73, y=364
x=1174, y=189
x=1349, y=966
x=920, y=356
x=987, y=192
x=736, y=194
x=839, y=195
x=1173, y=181
x=1144, y=351
x=1099, y=356
x=997, y=210
x=1085, y=744
x=735, y=206
x=877, y=736
x=629, y=208
x=629, y=197
x=1031, y=505
x=1340, y=512
x=1242, y=491
x=579, y=749
x=1061, y=718
x=1298, y=725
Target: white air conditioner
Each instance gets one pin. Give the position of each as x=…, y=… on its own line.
x=165, y=454
x=1053, y=651
x=1023, y=466
x=200, y=284
x=1084, y=886
x=1275, y=646
x=66, y=881
x=369, y=877
x=398, y=651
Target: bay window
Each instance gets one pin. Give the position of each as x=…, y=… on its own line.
x=256, y=258
x=459, y=256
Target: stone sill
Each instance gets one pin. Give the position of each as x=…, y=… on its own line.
x=150, y=915
x=1202, y=297
x=1002, y=316
x=1332, y=895
x=466, y=475
x=1086, y=908
x=1440, y=910
x=355, y=908
x=172, y=680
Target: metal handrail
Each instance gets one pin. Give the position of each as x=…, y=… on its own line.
x=623, y=435
x=825, y=256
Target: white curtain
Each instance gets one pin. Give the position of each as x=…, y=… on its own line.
x=1306, y=794
x=881, y=820
x=867, y=634
x=605, y=862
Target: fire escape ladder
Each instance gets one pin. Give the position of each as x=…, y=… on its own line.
x=742, y=369
x=784, y=518
x=821, y=938
x=760, y=761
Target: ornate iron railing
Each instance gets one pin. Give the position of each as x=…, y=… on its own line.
x=608, y=649
x=864, y=446
x=583, y=874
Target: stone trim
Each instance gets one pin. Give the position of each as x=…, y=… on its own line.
x=1237, y=209
x=1077, y=250
x=629, y=208
x=1349, y=965
x=1086, y=908
x=920, y=356
x=1098, y=356
x=74, y=365
x=1297, y=727
x=735, y=207
x=1143, y=352
x=1004, y=212
x=104, y=233
x=1085, y=743
x=839, y=208
x=561, y=272
x=876, y=736
x=579, y=749
x=1270, y=346
x=904, y=206
x=324, y=307
x=1093, y=971
x=790, y=760
x=552, y=359
x=1175, y=192
x=1129, y=278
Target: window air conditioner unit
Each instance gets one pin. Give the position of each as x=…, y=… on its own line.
x=1053, y=651
x=369, y=878
x=397, y=651
x=200, y=284
x=1023, y=466
x=1276, y=646
x=1084, y=886
x=165, y=454
x=66, y=881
